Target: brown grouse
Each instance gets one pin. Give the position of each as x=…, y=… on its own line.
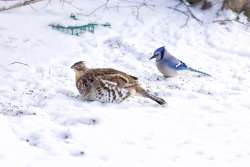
x=108, y=85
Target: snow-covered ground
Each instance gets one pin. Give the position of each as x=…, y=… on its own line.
x=43, y=122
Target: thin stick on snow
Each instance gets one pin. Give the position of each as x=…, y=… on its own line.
x=182, y=12
x=18, y=62
x=190, y=11
x=104, y=5
x=137, y=5
x=232, y=20
x=187, y=13
x=20, y=4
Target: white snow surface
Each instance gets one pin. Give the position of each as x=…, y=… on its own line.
x=43, y=122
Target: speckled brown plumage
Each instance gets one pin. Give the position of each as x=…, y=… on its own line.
x=108, y=85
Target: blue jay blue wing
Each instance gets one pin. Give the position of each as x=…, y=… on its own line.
x=175, y=64
x=181, y=66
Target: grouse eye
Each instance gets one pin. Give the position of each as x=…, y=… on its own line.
x=78, y=67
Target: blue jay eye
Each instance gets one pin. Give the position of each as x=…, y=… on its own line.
x=157, y=54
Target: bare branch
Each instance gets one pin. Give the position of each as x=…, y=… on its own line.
x=137, y=5
x=20, y=4
x=188, y=13
x=70, y=3
x=104, y=5
x=231, y=20
x=182, y=12
x=18, y=62
x=178, y=10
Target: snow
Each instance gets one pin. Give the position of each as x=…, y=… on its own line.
x=43, y=121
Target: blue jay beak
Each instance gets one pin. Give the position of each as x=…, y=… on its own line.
x=154, y=56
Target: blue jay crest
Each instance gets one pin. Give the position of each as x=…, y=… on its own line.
x=160, y=51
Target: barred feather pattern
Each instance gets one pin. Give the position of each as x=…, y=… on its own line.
x=102, y=90
x=109, y=92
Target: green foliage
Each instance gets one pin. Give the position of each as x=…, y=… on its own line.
x=78, y=30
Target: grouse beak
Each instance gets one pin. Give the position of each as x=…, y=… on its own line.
x=154, y=56
x=72, y=67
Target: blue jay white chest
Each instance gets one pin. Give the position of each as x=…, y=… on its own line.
x=165, y=69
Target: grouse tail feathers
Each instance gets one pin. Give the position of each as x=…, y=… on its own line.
x=144, y=93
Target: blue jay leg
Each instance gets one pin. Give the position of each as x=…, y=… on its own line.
x=166, y=76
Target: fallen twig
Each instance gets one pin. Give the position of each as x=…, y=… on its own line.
x=182, y=12
x=18, y=62
x=137, y=5
x=104, y=5
x=20, y=4
x=190, y=11
x=231, y=20
x=187, y=13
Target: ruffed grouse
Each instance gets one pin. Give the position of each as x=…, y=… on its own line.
x=108, y=85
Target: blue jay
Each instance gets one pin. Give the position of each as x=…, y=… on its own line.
x=170, y=66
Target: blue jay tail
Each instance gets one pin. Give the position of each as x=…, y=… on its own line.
x=144, y=93
x=200, y=72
